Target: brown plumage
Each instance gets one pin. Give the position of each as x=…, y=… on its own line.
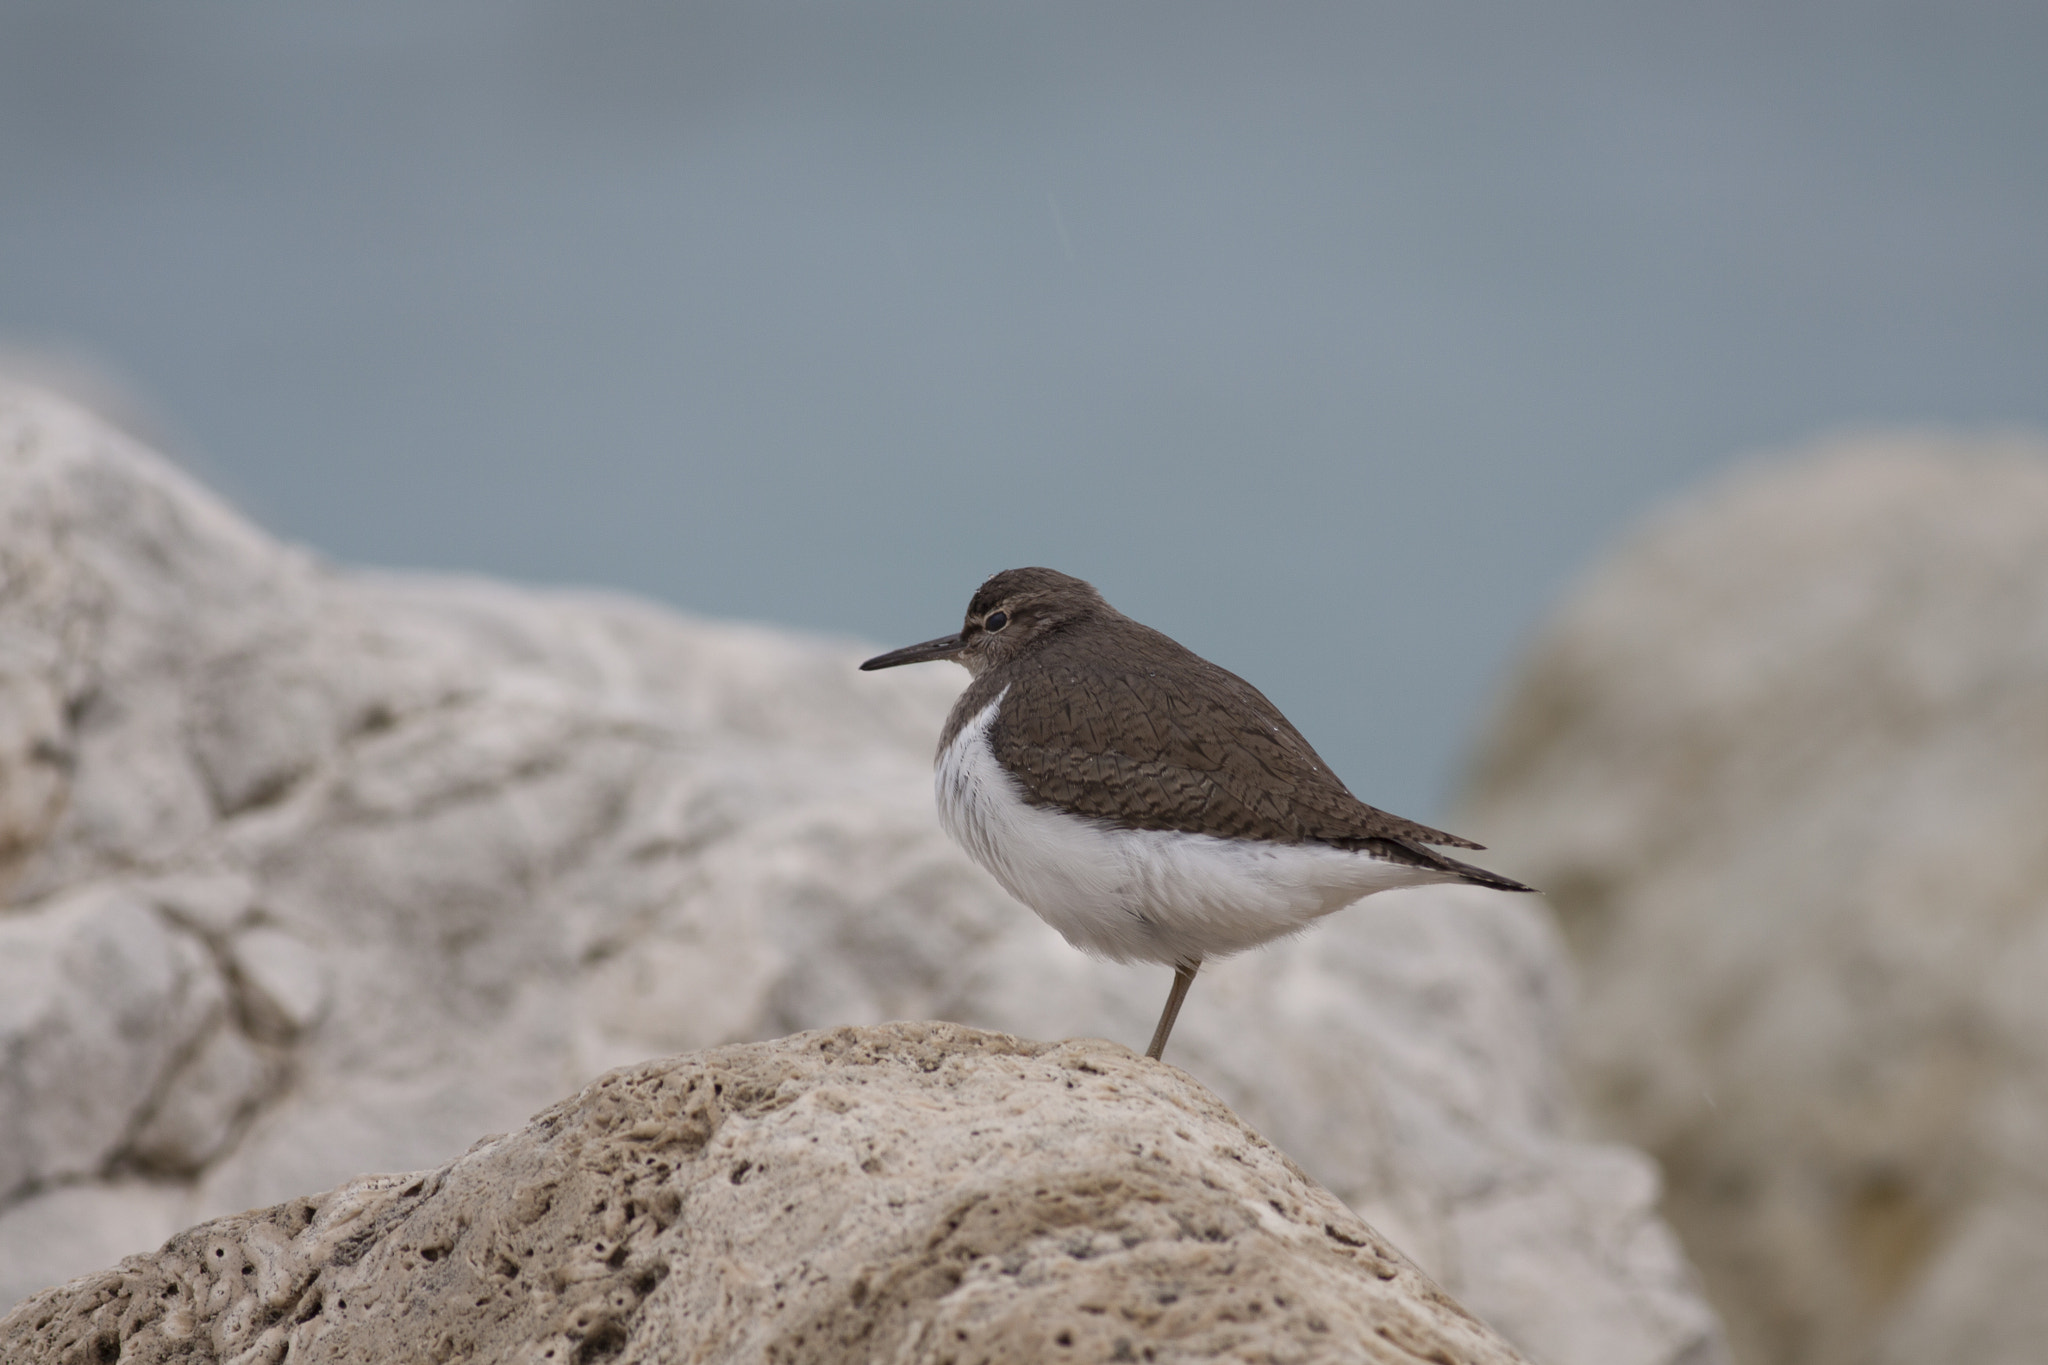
x=1108, y=718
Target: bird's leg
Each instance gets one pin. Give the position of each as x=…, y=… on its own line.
x=1183, y=977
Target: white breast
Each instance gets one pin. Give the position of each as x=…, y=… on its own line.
x=1143, y=895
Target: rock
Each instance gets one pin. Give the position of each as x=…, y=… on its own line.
x=99, y=1002
x=1783, y=764
x=71, y=1229
x=34, y=767
x=203, y=1102
x=454, y=848
x=913, y=1192
x=283, y=979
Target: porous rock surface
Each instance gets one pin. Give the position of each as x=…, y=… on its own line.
x=1783, y=765
x=307, y=872
x=903, y=1192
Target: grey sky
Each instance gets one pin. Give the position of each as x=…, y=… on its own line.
x=1329, y=338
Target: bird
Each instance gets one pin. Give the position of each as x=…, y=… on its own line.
x=1149, y=805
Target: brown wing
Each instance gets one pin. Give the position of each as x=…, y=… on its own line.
x=1220, y=758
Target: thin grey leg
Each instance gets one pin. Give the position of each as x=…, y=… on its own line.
x=1183, y=977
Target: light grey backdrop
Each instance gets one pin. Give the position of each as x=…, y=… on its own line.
x=1330, y=338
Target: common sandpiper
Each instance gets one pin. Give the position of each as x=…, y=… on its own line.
x=1147, y=804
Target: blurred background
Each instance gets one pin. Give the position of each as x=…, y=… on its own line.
x=1330, y=338
x=1340, y=341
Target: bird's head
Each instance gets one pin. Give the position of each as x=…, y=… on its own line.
x=1009, y=614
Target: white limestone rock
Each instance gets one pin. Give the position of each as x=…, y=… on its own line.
x=99, y=1003
x=453, y=848
x=907, y=1192
x=1783, y=763
x=72, y=1229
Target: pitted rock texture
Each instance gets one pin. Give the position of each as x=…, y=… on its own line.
x=310, y=872
x=1783, y=764
x=908, y=1192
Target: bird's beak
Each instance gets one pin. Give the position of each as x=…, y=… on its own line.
x=945, y=647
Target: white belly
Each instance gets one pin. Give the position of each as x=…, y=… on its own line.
x=1144, y=895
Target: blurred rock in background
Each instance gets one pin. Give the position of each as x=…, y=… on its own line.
x=310, y=873
x=1782, y=764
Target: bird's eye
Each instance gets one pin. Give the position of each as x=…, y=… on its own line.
x=995, y=621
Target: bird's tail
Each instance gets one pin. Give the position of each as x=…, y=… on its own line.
x=1419, y=855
